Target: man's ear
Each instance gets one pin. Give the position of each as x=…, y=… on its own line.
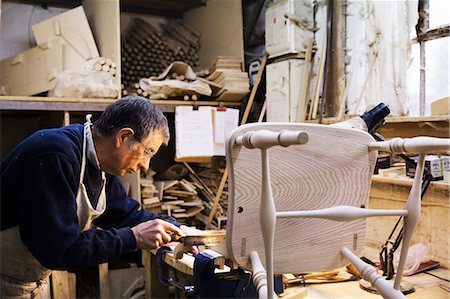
x=122, y=135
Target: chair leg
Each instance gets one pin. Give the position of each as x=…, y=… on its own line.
x=413, y=206
x=259, y=276
x=369, y=273
x=267, y=219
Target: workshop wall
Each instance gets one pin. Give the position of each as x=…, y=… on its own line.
x=383, y=61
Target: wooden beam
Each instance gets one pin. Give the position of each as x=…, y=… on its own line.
x=433, y=33
x=422, y=26
x=336, y=61
x=103, y=277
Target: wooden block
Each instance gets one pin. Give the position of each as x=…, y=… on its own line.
x=151, y=200
x=441, y=106
x=180, y=193
x=194, y=211
x=163, y=185
x=173, y=202
x=392, y=171
x=206, y=237
x=287, y=277
x=187, y=186
x=196, y=202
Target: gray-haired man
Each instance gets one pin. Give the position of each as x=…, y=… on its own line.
x=59, y=184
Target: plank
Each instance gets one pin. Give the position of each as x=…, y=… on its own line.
x=317, y=87
x=63, y=284
x=103, y=276
x=206, y=237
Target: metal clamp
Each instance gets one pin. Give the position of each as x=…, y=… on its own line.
x=169, y=281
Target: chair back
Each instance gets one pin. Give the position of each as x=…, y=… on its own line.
x=333, y=168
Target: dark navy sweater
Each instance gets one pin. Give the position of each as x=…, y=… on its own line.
x=39, y=183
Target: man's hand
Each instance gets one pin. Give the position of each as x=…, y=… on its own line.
x=154, y=233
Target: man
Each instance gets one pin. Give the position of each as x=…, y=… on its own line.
x=62, y=204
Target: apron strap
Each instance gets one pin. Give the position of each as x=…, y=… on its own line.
x=87, y=124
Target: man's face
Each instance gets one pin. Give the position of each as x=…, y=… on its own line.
x=134, y=154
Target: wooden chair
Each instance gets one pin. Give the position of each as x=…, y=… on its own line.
x=297, y=198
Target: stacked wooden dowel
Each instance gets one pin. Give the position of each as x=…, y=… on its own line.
x=147, y=51
x=105, y=64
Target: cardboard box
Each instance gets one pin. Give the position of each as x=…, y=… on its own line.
x=284, y=31
x=32, y=71
x=432, y=164
x=445, y=163
x=73, y=29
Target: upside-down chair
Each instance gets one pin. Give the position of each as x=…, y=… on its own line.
x=298, y=196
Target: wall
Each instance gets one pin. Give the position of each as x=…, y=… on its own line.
x=384, y=63
x=220, y=24
x=16, y=22
x=434, y=226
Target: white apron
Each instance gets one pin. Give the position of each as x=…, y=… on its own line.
x=21, y=275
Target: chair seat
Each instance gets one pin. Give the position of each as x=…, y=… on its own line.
x=333, y=168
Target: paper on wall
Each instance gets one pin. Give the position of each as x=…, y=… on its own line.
x=224, y=123
x=203, y=132
x=194, y=132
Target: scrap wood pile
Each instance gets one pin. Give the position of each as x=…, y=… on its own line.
x=209, y=176
x=187, y=198
x=176, y=198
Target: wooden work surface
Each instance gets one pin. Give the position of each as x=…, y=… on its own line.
x=333, y=168
x=426, y=286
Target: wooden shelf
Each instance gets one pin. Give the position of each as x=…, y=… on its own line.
x=390, y=119
x=403, y=180
x=406, y=126
x=88, y=104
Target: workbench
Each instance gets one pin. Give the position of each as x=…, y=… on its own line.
x=385, y=193
x=426, y=285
